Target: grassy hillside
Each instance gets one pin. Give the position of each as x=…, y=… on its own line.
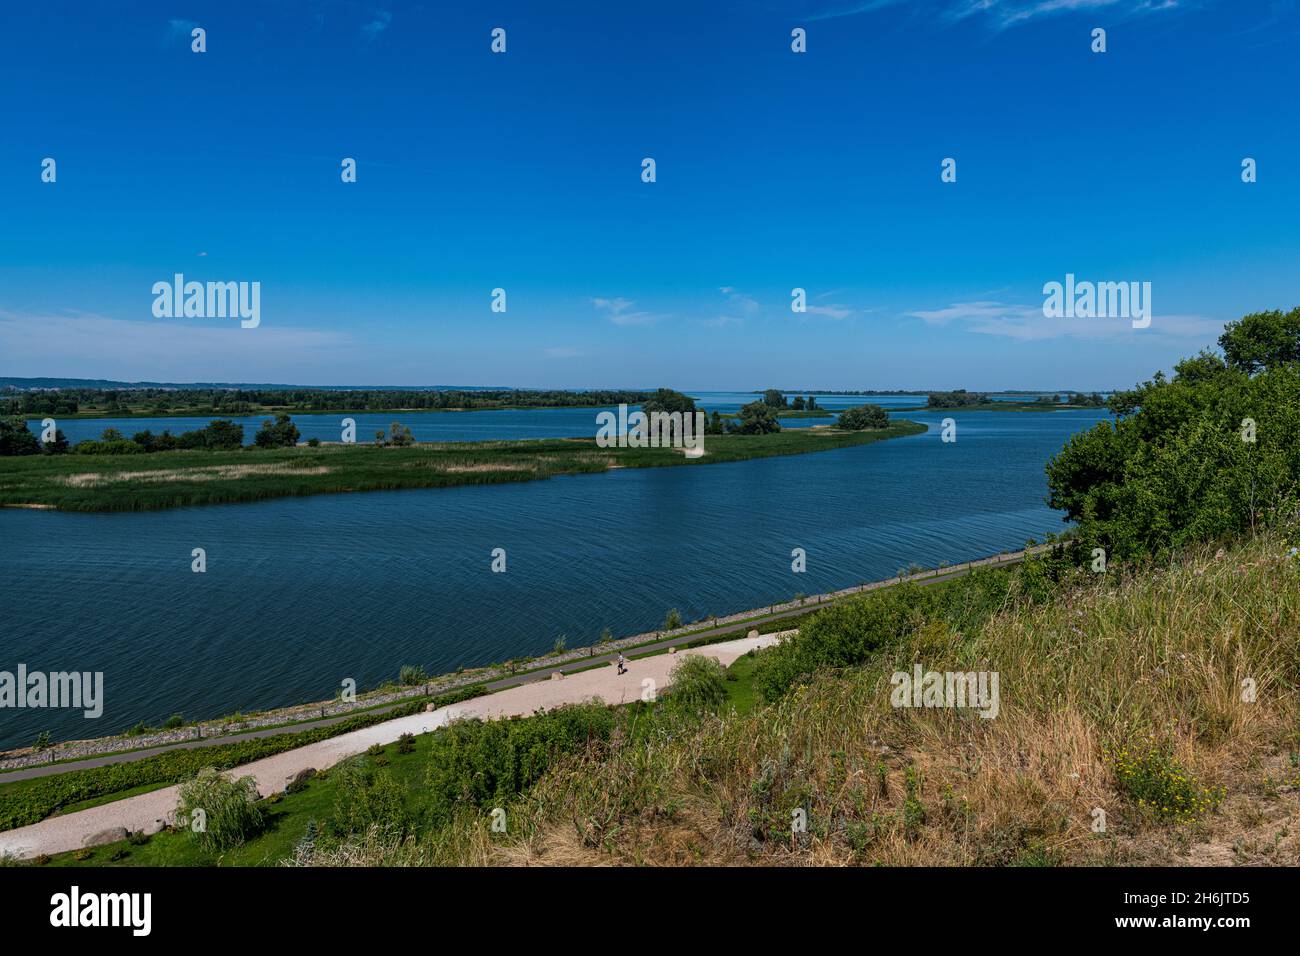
x=1122, y=693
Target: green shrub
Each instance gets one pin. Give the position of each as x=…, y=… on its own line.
x=120, y=446
x=368, y=797
x=485, y=764
x=411, y=675
x=698, y=685
x=1148, y=775
x=220, y=813
x=842, y=635
x=863, y=417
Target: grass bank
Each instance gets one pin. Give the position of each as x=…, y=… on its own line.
x=146, y=482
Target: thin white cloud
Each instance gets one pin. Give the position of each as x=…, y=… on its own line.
x=617, y=310
x=1027, y=323
x=739, y=302
x=999, y=13
x=836, y=312
x=735, y=310
x=376, y=25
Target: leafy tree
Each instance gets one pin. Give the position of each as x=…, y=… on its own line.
x=667, y=400
x=756, y=418
x=673, y=620
x=281, y=433
x=58, y=445
x=222, y=433
x=1262, y=341
x=798, y=403
x=1206, y=454
x=773, y=398
x=399, y=435
x=955, y=399
x=863, y=417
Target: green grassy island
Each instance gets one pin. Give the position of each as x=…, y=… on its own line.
x=174, y=479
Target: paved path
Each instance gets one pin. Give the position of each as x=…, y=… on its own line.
x=150, y=811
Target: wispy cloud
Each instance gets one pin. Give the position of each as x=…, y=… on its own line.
x=619, y=311
x=1027, y=323
x=999, y=13
x=377, y=24
x=737, y=306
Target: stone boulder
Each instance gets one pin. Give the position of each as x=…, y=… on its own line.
x=111, y=835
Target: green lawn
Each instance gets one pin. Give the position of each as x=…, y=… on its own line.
x=143, y=482
x=740, y=683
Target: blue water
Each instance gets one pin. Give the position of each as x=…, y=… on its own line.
x=301, y=593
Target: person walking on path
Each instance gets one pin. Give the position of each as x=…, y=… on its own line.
x=622, y=663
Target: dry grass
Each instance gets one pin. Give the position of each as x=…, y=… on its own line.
x=95, y=479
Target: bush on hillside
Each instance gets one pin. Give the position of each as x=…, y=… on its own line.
x=1202, y=456
x=698, y=685
x=480, y=764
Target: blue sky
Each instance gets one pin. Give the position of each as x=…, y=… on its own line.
x=523, y=171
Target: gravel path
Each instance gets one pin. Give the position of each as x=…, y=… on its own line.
x=150, y=811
